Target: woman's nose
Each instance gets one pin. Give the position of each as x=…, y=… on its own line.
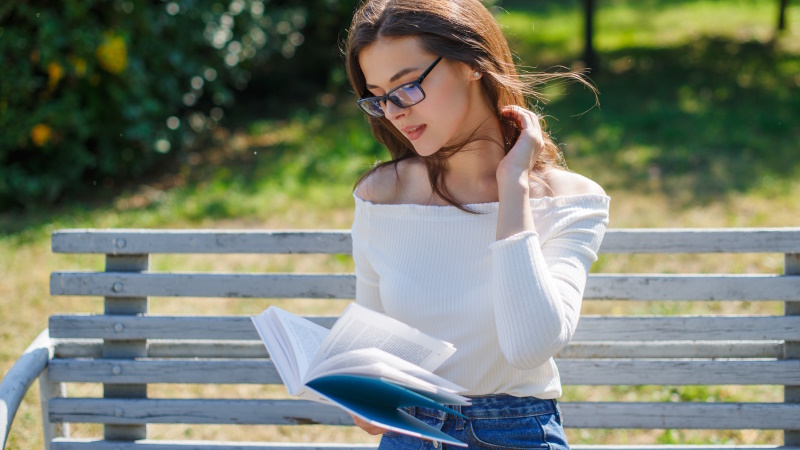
x=392, y=111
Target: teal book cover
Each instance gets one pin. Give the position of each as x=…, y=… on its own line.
x=363, y=365
x=378, y=402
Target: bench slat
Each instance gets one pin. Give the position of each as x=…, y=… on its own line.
x=161, y=327
x=111, y=371
x=682, y=447
x=630, y=240
x=702, y=240
x=633, y=328
x=590, y=328
x=611, y=372
x=145, y=444
x=143, y=241
x=573, y=371
x=90, y=444
x=713, y=416
x=686, y=415
x=216, y=411
x=92, y=348
x=672, y=349
x=119, y=284
x=692, y=287
x=342, y=286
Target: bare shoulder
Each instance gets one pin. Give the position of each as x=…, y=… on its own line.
x=564, y=182
x=392, y=183
x=379, y=185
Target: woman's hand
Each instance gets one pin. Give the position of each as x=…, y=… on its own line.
x=516, y=165
x=371, y=429
x=513, y=184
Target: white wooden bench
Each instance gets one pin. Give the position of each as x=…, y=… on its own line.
x=127, y=348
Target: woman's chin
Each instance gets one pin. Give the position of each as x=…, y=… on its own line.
x=425, y=150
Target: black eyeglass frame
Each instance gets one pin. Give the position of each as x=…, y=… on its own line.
x=387, y=96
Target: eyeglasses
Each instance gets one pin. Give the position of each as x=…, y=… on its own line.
x=405, y=95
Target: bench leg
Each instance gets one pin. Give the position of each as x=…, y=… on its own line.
x=48, y=390
x=125, y=349
x=791, y=349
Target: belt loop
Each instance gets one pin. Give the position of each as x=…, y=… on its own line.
x=558, y=412
x=459, y=419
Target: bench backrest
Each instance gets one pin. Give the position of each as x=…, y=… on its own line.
x=127, y=348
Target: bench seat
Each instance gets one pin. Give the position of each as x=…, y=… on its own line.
x=128, y=348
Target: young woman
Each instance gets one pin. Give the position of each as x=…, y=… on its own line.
x=474, y=232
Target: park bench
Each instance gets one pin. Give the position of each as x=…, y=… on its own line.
x=126, y=348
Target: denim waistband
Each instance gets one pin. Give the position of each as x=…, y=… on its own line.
x=495, y=406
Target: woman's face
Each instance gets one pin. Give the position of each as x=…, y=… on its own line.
x=451, y=107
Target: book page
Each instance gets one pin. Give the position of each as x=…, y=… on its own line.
x=385, y=372
x=360, y=327
x=309, y=394
x=363, y=360
x=269, y=329
x=304, y=336
x=291, y=342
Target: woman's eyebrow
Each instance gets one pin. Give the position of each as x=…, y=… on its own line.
x=396, y=76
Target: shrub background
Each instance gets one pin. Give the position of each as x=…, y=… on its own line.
x=99, y=92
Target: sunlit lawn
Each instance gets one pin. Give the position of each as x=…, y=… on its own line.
x=697, y=127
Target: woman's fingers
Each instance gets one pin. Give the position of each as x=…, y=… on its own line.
x=528, y=121
x=525, y=118
x=525, y=151
x=369, y=428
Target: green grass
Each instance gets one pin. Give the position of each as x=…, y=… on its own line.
x=699, y=99
x=697, y=127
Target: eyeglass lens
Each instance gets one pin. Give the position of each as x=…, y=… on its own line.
x=372, y=108
x=404, y=96
x=407, y=95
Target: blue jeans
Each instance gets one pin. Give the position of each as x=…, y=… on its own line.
x=497, y=421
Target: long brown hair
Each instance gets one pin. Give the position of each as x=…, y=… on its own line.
x=460, y=31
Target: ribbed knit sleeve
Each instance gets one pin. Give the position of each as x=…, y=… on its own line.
x=538, y=286
x=367, y=291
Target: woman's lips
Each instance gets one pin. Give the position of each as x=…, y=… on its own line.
x=414, y=132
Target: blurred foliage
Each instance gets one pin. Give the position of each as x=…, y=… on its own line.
x=698, y=98
x=98, y=92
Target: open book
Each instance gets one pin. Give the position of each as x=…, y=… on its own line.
x=369, y=364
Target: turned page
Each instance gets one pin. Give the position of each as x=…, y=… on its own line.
x=376, y=363
x=360, y=327
x=292, y=342
x=305, y=337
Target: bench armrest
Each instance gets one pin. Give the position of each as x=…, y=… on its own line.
x=17, y=381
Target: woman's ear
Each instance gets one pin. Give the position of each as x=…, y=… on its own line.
x=471, y=73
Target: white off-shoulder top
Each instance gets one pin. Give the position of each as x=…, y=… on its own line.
x=508, y=306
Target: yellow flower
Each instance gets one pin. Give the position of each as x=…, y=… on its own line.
x=79, y=64
x=112, y=54
x=54, y=73
x=40, y=134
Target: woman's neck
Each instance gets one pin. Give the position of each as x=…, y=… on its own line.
x=478, y=160
x=470, y=174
